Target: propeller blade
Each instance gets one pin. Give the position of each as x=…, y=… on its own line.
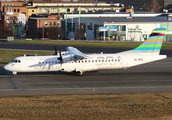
x=60, y=58
x=55, y=50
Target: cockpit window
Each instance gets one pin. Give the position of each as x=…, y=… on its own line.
x=17, y=61
x=13, y=60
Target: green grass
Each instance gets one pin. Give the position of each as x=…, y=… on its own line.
x=94, y=43
x=166, y=45
x=7, y=56
x=142, y=106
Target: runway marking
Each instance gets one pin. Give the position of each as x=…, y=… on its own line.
x=94, y=89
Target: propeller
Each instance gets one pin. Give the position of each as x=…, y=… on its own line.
x=55, y=50
x=60, y=58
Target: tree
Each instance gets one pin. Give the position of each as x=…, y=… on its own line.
x=54, y=33
x=3, y=32
x=11, y=21
x=154, y=6
x=132, y=35
x=80, y=34
x=116, y=35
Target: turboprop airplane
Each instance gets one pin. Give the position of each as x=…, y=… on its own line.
x=75, y=61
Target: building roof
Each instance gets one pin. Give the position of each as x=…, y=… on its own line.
x=136, y=3
x=129, y=20
x=117, y=13
x=69, y=2
x=42, y=18
x=112, y=14
x=69, y=6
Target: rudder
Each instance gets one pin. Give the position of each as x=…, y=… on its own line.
x=153, y=43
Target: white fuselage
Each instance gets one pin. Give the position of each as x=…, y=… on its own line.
x=71, y=64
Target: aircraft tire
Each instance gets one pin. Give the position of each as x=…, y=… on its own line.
x=80, y=73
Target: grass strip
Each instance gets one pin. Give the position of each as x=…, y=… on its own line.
x=142, y=106
x=165, y=45
x=7, y=56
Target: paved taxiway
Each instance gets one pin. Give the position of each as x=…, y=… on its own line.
x=151, y=77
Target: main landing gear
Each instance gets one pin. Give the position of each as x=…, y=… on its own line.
x=80, y=73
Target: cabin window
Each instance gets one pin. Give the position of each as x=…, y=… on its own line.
x=99, y=60
x=82, y=61
x=109, y=60
x=95, y=60
x=118, y=60
x=105, y=60
x=52, y=61
x=56, y=62
x=49, y=61
x=46, y=62
x=39, y=62
x=89, y=61
x=102, y=60
x=85, y=61
x=42, y=62
x=112, y=60
x=92, y=60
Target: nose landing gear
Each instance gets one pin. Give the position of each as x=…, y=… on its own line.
x=14, y=73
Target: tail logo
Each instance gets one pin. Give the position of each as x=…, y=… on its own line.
x=153, y=43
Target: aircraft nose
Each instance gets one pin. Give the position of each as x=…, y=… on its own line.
x=6, y=67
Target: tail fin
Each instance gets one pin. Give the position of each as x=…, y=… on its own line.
x=153, y=43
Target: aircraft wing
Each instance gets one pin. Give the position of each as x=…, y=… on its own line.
x=77, y=53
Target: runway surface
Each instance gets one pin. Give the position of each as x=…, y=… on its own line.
x=86, y=49
x=151, y=77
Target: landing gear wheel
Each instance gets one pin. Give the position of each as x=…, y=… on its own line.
x=80, y=73
x=14, y=73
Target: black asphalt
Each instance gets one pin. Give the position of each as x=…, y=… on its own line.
x=85, y=49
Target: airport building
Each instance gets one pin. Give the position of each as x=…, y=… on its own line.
x=122, y=27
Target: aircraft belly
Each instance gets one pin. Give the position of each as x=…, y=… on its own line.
x=112, y=65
